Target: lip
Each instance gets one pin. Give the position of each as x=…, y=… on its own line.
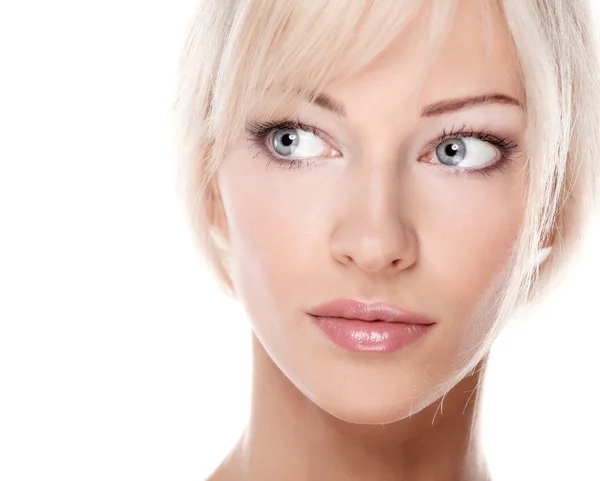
x=376, y=327
x=378, y=311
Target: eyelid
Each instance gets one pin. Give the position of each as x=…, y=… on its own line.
x=261, y=131
x=432, y=154
x=258, y=129
x=503, y=145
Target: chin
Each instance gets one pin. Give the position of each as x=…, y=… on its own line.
x=383, y=407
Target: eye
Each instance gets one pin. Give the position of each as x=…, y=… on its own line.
x=466, y=152
x=293, y=142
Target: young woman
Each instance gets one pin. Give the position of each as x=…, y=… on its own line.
x=382, y=185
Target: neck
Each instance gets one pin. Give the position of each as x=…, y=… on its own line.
x=289, y=437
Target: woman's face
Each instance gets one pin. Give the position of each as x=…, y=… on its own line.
x=412, y=197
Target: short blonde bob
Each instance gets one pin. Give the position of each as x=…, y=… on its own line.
x=239, y=50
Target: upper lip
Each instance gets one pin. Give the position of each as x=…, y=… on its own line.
x=378, y=311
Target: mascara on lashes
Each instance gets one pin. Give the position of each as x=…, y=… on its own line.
x=259, y=132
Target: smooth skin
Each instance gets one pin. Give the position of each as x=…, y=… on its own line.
x=377, y=217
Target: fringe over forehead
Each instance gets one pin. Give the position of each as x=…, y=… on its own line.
x=295, y=48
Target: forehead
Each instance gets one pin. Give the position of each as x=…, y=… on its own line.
x=473, y=55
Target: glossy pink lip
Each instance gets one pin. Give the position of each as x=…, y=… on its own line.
x=378, y=327
x=379, y=311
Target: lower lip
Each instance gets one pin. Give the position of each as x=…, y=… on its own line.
x=370, y=336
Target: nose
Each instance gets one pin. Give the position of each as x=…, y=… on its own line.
x=374, y=232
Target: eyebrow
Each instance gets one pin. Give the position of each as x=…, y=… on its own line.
x=431, y=110
x=446, y=106
x=328, y=103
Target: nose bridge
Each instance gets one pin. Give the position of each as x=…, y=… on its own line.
x=376, y=196
x=382, y=203
x=375, y=230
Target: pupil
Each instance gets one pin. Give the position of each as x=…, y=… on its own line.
x=451, y=149
x=288, y=139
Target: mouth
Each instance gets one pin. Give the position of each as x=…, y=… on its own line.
x=360, y=327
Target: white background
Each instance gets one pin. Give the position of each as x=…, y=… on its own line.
x=108, y=369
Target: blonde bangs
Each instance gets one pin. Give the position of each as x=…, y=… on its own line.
x=282, y=53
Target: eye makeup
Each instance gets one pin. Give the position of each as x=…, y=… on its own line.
x=260, y=134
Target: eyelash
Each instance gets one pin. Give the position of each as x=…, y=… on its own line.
x=259, y=132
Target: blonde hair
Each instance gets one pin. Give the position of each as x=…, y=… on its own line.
x=239, y=50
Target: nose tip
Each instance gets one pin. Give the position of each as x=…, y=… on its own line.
x=376, y=253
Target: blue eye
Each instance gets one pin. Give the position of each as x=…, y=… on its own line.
x=467, y=152
x=451, y=151
x=292, y=142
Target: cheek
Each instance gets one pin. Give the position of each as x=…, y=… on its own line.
x=275, y=237
x=467, y=235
